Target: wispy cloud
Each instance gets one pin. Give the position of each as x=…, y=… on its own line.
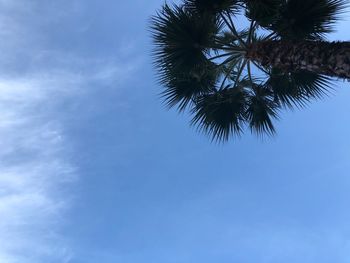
x=34, y=168
x=36, y=171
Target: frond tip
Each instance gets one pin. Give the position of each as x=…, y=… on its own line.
x=297, y=88
x=183, y=87
x=261, y=110
x=264, y=12
x=220, y=114
x=212, y=6
x=181, y=38
x=308, y=19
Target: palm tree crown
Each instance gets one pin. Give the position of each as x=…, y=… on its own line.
x=231, y=79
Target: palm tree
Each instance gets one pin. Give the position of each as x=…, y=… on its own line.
x=232, y=78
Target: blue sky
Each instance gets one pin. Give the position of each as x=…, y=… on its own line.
x=94, y=169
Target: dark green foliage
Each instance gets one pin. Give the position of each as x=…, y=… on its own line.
x=297, y=88
x=226, y=38
x=212, y=6
x=221, y=114
x=183, y=87
x=182, y=38
x=261, y=110
x=307, y=19
x=264, y=12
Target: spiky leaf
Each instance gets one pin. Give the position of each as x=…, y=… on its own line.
x=181, y=38
x=264, y=12
x=297, y=88
x=221, y=114
x=212, y=6
x=184, y=86
x=308, y=19
x=261, y=110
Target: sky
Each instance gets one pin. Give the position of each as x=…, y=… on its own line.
x=93, y=168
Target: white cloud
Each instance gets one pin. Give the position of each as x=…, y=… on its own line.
x=34, y=161
x=36, y=172
x=33, y=172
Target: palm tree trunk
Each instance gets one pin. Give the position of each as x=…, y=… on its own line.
x=327, y=58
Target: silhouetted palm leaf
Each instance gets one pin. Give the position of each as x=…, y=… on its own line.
x=264, y=12
x=221, y=114
x=212, y=6
x=308, y=19
x=297, y=88
x=183, y=87
x=261, y=110
x=181, y=38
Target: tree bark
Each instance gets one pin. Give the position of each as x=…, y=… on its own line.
x=327, y=58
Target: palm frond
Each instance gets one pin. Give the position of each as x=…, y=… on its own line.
x=297, y=88
x=226, y=38
x=183, y=87
x=220, y=114
x=212, y=6
x=261, y=110
x=308, y=19
x=182, y=41
x=264, y=12
x=181, y=38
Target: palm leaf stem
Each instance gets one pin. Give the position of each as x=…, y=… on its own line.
x=227, y=74
x=251, y=29
x=240, y=72
x=233, y=26
x=250, y=73
x=261, y=68
x=230, y=19
x=222, y=55
x=233, y=29
x=270, y=36
x=228, y=60
x=229, y=46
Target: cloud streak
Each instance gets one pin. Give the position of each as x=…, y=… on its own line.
x=33, y=169
x=37, y=173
